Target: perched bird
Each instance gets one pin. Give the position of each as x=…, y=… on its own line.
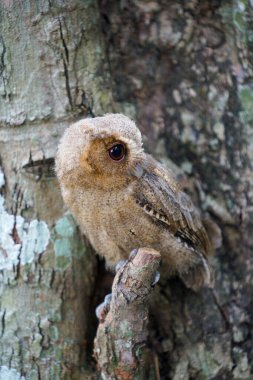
x=123, y=199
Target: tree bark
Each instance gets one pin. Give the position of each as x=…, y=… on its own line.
x=183, y=71
x=53, y=71
x=121, y=344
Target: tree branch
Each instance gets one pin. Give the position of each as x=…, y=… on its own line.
x=121, y=341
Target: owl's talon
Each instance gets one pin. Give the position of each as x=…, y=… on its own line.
x=133, y=254
x=119, y=265
x=103, y=309
x=107, y=299
x=156, y=278
x=100, y=311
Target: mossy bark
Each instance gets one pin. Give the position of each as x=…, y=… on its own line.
x=183, y=70
x=53, y=71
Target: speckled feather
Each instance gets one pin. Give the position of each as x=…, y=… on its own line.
x=132, y=203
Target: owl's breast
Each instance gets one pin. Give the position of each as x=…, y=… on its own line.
x=113, y=222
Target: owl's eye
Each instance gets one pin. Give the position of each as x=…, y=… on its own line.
x=117, y=152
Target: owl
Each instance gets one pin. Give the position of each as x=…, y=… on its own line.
x=122, y=199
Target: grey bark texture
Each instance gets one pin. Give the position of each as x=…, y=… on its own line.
x=183, y=71
x=121, y=344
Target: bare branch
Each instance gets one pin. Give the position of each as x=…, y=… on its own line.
x=121, y=342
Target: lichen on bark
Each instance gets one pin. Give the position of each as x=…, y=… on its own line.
x=192, y=100
x=52, y=71
x=183, y=70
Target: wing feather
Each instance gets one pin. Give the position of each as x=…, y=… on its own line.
x=160, y=196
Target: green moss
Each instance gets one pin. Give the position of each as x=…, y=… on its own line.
x=54, y=333
x=239, y=19
x=246, y=99
x=66, y=241
x=115, y=360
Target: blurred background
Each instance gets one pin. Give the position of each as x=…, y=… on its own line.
x=183, y=71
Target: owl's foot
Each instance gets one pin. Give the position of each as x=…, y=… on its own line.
x=121, y=263
x=103, y=309
x=133, y=253
x=156, y=278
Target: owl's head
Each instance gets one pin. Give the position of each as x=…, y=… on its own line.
x=98, y=149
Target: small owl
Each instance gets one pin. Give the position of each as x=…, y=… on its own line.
x=122, y=198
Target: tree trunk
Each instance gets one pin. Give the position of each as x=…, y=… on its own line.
x=183, y=71
x=52, y=71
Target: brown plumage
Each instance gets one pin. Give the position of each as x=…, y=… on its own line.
x=124, y=199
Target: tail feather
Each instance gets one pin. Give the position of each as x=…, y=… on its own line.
x=199, y=275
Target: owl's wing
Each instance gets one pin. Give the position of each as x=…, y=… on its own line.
x=159, y=196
